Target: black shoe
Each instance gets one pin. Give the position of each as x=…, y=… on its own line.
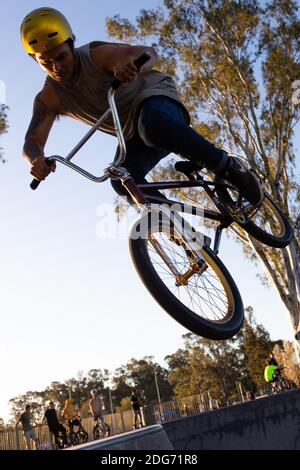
x=246, y=181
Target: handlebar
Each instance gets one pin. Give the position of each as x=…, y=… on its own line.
x=139, y=62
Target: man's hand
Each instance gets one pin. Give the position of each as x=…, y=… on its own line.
x=40, y=169
x=125, y=70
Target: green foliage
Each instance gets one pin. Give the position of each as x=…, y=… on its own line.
x=255, y=346
x=125, y=404
x=217, y=366
x=199, y=366
x=285, y=356
x=141, y=376
x=77, y=387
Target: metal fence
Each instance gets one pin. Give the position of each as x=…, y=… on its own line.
x=119, y=422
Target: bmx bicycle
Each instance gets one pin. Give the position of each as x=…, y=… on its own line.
x=176, y=262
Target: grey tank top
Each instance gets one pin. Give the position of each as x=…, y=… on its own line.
x=85, y=96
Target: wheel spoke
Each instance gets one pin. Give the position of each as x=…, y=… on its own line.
x=205, y=293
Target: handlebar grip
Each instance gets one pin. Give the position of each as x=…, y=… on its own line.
x=139, y=62
x=35, y=183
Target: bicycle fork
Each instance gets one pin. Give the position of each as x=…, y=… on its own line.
x=176, y=225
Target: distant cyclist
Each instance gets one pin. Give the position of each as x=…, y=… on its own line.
x=96, y=407
x=70, y=415
x=136, y=410
x=272, y=373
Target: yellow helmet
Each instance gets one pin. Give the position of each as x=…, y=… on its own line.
x=44, y=28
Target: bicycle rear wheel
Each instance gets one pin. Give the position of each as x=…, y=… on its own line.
x=268, y=225
x=285, y=385
x=208, y=302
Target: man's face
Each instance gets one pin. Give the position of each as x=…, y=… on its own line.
x=58, y=63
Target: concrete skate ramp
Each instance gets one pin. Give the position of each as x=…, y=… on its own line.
x=149, y=438
x=264, y=423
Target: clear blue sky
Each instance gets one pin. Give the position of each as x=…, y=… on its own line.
x=69, y=300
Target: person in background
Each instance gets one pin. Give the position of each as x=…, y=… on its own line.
x=29, y=432
x=96, y=407
x=70, y=415
x=272, y=360
x=136, y=409
x=53, y=424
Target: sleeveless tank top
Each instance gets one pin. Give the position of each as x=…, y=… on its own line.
x=84, y=97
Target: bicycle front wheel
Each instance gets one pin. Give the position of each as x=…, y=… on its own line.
x=206, y=301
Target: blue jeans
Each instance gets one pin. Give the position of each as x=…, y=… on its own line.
x=162, y=127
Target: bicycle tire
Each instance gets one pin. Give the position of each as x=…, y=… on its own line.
x=74, y=438
x=285, y=385
x=83, y=436
x=213, y=329
x=276, y=220
x=59, y=442
x=99, y=433
x=96, y=433
x=276, y=241
x=107, y=432
x=269, y=389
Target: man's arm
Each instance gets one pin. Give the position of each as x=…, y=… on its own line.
x=119, y=58
x=44, y=114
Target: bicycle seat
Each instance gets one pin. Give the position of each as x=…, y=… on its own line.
x=187, y=168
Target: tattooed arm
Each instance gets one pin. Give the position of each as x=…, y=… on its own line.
x=44, y=114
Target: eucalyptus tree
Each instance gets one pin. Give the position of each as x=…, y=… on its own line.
x=237, y=67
